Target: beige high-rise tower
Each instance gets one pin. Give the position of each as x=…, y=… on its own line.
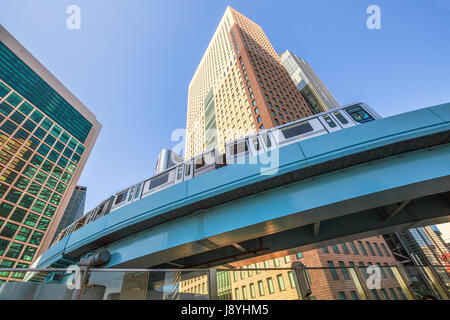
x=239, y=88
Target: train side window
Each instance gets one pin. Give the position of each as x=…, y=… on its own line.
x=121, y=197
x=256, y=143
x=238, y=147
x=297, y=130
x=199, y=162
x=138, y=191
x=130, y=197
x=330, y=121
x=188, y=170
x=156, y=182
x=266, y=139
x=340, y=117
x=359, y=114
x=180, y=172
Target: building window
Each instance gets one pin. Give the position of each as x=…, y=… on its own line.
x=280, y=282
x=377, y=247
x=362, y=248
x=383, y=274
x=385, y=294
x=236, y=294
x=291, y=279
x=333, y=272
x=355, y=250
x=344, y=270
x=385, y=250
x=287, y=259
x=344, y=247
x=259, y=119
x=370, y=248
x=325, y=250
x=375, y=294
x=258, y=267
x=364, y=270
x=276, y=262
x=393, y=294
x=244, y=292
x=270, y=285
x=261, y=288
x=252, y=290
x=391, y=273
x=299, y=255
x=354, y=295
x=335, y=248
x=342, y=296
x=402, y=294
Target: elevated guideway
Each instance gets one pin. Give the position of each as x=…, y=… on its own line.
x=388, y=175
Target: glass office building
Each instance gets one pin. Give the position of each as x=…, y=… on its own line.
x=46, y=135
x=311, y=87
x=74, y=210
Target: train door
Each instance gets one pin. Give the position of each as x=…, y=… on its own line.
x=343, y=119
x=138, y=192
x=179, y=174
x=188, y=170
x=268, y=141
x=329, y=123
x=256, y=145
x=237, y=151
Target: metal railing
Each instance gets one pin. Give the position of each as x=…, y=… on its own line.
x=295, y=283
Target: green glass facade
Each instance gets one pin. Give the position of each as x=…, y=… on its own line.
x=38, y=158
x=33, y=88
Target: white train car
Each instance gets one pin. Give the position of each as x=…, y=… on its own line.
x=236, y=151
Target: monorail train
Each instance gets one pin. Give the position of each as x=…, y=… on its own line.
x=235, y=152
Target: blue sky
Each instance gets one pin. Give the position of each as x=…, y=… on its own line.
x=132, y=61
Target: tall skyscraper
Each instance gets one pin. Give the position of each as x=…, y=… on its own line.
x=46, y=136
x=74, y=209
x=239, y=88
x=311, y=87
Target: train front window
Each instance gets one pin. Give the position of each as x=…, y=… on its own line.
x=359, y=114
x=238, y=147
x=340, y=117
x=121, y=197
x=297, y=130
x=330, y=121
x=156, y=182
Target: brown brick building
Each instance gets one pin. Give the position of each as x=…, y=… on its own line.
x=331, y=283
